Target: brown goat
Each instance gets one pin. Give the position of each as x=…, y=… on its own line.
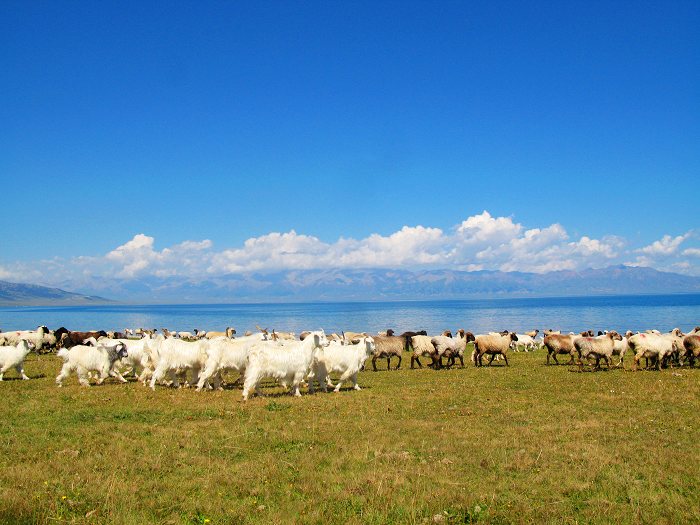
x=71, y=339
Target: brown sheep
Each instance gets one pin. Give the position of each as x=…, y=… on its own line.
x=493, y=345
x=558, y=344
x=388, y=346
x=691, y=343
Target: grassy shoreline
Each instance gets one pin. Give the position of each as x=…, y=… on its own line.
x=527, y=443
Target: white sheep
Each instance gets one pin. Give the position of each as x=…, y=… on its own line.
x=13, y=357
x=650, y=345
x=676, y=338
x=525, y=340
x=230, y=333
x=346, y=360
x=621, y=348
x=350, y=337
x=83, y=359
x=452, y=347
x=422, y=346
x=289, y=364
x=600, y=347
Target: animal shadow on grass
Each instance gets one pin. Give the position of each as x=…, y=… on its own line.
x=18, y=378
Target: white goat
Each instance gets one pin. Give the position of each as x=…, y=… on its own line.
x=172, y=355
x=224, y=354
x=83, y=359
x=13, y=356
x=138, y=356
x=346, y=360
x=288, y=364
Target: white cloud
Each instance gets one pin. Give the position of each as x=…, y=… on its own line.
x=484, y=228
x=665, y=254
x=667, y=245
x=481, y=242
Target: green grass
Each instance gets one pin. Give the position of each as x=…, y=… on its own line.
x=524, y=444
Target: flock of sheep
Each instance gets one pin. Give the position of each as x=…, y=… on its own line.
x=201, y=358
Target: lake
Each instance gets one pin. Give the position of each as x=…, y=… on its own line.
x=621, y=313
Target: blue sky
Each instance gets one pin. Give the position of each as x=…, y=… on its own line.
x=223, y=122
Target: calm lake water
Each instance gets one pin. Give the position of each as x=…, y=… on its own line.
x=663, y=312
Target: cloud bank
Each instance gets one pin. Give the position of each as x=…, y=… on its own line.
x=481, y=242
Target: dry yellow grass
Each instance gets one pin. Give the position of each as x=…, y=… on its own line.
x=524, y=444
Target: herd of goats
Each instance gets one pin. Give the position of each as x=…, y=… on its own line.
x=201, y=358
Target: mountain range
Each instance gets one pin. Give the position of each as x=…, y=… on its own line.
x=12, y=294
x=356, y=285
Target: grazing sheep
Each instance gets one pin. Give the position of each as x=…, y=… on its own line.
x=289, y=364
x=600, y=347
x=452, y=347
x=650, y=345
x=388, y=346
x=408, y=335
x=422, y=346
x=83, y=359
x=12, y=337
x=557, y=344
x=524, y=340
x=621, y=348
x=283, y=336
x=353, y=337
x=691, y=344
x=39, y=338
x=13, y=357
x=190, y=336
x=493, y=345
x=346, y=360
x=532, y=333
x=676, y=338
x=229, y=332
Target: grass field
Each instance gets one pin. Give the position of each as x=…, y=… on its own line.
x=524, y=444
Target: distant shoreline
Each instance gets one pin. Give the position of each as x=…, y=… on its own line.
x=270, y=302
